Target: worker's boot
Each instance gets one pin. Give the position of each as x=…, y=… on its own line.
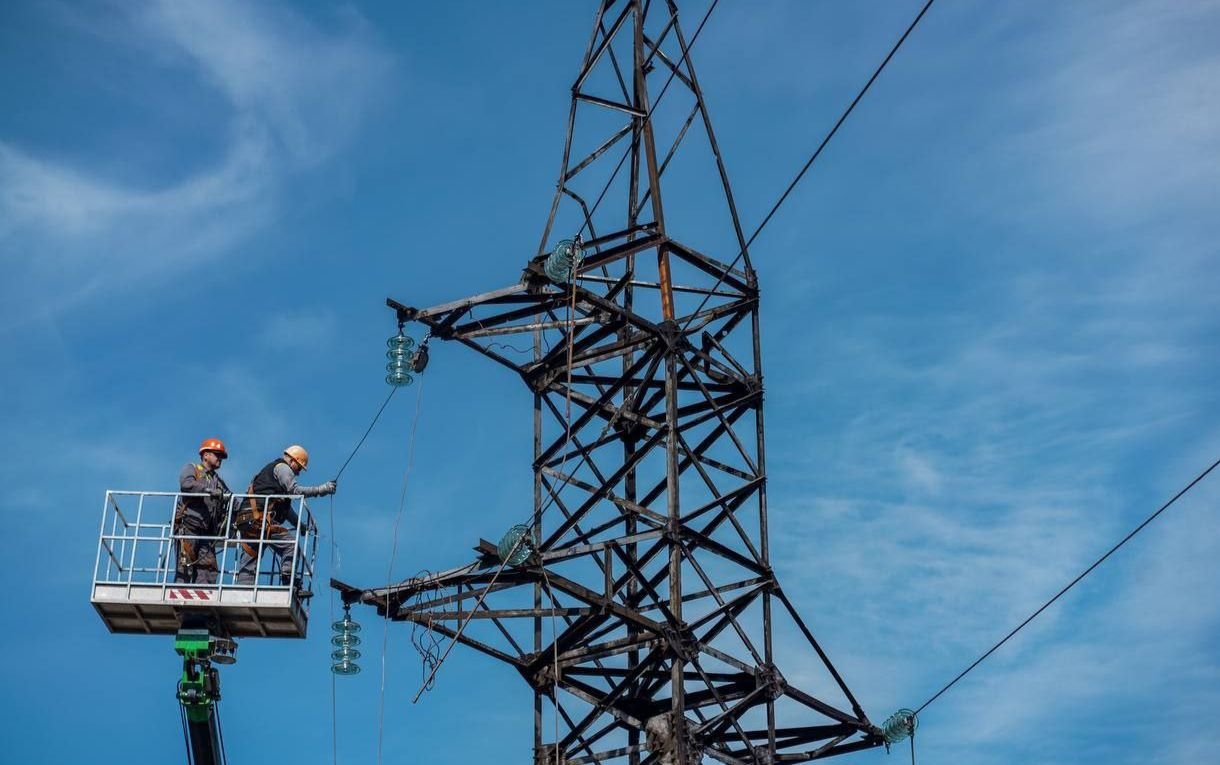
x=300, y=593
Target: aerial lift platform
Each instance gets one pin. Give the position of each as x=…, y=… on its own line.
x=135, y=591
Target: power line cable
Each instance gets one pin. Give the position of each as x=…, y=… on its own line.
x=813, y=158
x=843, y=118
x=1070, y=585
x=367, y=431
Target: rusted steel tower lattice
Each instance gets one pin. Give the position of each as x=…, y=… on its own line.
x=641, y=609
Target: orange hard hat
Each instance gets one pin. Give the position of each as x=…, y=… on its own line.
x=213, y=445
x=298, y=453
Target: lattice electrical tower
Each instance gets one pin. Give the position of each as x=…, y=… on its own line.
x=638, y=600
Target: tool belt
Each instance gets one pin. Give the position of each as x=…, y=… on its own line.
x=191, y=555
x=249, y=521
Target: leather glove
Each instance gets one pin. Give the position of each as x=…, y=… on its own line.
x=328, y=488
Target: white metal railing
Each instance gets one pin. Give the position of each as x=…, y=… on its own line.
x=136, y=545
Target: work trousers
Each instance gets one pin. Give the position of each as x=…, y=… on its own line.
x=278, y=539
x=194, y=558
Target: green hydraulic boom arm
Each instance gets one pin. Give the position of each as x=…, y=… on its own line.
x=199, y=692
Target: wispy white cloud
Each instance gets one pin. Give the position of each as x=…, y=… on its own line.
x=1132, y=120
x=1108, y=120
x=904, y=595
x=296, y=94
x=63, y=218
x=919, y=471
x=1137, y=651
x=310, y=86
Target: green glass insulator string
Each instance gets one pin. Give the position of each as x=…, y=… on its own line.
x=345, y=640
x=898, y=726
x=563, y=261
x=517, y=545
x=399, y=366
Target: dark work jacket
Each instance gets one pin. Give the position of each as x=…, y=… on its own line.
x=265, y=482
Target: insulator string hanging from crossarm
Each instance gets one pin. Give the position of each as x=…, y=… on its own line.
x=400, y=348
x=345, y=640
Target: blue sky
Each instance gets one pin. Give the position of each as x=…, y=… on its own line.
x=990, y=339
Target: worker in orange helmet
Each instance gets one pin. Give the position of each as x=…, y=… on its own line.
x=199, y=514
x=265, y=517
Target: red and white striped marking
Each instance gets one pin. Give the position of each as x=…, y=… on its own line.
x=186, y=593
